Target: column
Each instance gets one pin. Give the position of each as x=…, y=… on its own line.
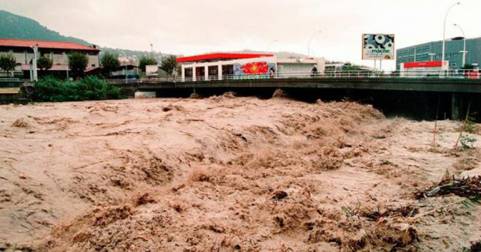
x=219, y=72
x=194, y=77
x=182, y=73
x=206, y=73
x=455, y=106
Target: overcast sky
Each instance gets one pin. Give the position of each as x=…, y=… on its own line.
x=198, y=26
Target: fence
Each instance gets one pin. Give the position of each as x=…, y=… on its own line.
x=452, y=74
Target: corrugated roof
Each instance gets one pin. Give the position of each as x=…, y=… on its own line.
x=45, y=44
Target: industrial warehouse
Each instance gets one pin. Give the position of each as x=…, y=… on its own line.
x=432, y=51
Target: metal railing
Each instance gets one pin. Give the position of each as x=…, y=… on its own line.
x=454, y=74
x=363, y=74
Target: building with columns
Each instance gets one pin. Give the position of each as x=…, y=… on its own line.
x=222, y=66
x=55, y=50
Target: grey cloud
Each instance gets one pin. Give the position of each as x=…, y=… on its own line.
x=192, y=26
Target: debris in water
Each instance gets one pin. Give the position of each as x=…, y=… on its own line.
x=279, y=195
x=465, y=187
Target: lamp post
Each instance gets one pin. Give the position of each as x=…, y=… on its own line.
x=464, y=44
x=443, y=57
x=310, y=41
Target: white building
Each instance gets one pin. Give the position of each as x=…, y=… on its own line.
x=221, y=66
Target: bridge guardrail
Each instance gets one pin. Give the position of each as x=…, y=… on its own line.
x=452, y=74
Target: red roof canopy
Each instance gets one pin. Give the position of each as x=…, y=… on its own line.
x=221, y=56
x=423, y=64
x=45, y=44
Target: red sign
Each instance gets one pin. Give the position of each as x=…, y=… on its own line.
x=255, y=68
x=423, y=64
x=473, y=75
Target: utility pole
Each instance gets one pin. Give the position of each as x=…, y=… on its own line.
x=443, y=58
x=34, y=62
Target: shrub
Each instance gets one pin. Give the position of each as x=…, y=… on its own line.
x=470, y=126
x=44, y=63
x=467, y=142
x=88, y=88
x=169, y=64
x=7, y=62
x=77, y=63
x=110, y=62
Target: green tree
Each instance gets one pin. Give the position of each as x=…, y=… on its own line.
x=348, y=67
x=78, y=63
x=7, y=62
x=109, y=62
x=44, y=63
x=145, y=61
x=169, y=64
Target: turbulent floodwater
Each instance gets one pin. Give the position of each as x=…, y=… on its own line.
x=228, y=174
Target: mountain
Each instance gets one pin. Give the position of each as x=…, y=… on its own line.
x=132, y=54
x=18, y=27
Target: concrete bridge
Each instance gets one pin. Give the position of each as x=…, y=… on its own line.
x=421, y=98
x=418, y=98
x=451, y=85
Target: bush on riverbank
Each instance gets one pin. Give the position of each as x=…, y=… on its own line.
x=88, y=88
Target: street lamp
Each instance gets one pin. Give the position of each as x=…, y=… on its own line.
x=464, y=44
x=444, y=31
x=310, y=41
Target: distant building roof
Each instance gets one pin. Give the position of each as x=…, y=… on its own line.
x=221, y=56
x=45, y=44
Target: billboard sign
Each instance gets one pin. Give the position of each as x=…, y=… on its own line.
x=254, y=68
x=378, y=46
